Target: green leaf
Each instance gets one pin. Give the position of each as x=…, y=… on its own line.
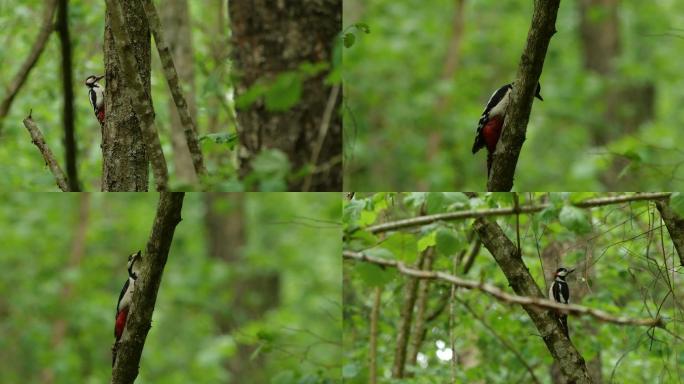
x=677, y=203
x=349, y=40
x=426, y=241
x=363, y=27
x=447, y=242
x=404, y=246
x=435, y=202
x=284, y=93
x=270, y=168
x=374, y=275
x=456, y=200
x=574, y=219
x=350, y=370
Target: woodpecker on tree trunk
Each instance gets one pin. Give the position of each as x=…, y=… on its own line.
x=124, y=303
x=96, y=97
x=492, y=120
x=560, y=292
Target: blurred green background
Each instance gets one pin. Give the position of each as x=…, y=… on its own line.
x=415, y=87
x=250, y=294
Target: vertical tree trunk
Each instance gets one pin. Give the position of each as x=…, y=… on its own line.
x=253, y=293
x=125, y=159
x=271, y=37
x=70, y=149
x=175, y=17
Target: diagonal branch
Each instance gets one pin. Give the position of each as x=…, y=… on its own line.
x=146, y=287
x=529, y=70
x=530, y=301
x=50, y=160
x=37, y=49
x=141, y=102
x=511, y=264
x=171, y=75
x=675, y=227
x=460, y=215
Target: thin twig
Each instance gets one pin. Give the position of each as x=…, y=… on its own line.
x=37, y=49
x=322, y=132
x=189, y=126
x=50, y=160
x=460, y=215
x=501, y=295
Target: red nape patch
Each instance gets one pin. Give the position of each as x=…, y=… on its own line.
x=491, y=132
x=120, y=323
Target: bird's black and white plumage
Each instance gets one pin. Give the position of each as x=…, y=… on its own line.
x=96, y=96
x=492, y=119
x=124, y=302
x=560, y=292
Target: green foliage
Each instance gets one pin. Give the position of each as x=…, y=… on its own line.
x=621, y=267
x=415, y=89
x=293, y=235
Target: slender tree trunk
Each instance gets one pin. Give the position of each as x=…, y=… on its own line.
x=253, y=293
x=68, y=117
x=175, y=17
x=272, y=37
x=125, y=158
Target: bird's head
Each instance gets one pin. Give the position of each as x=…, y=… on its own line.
x=92, y=79
x=132, y=266
x=537, y=92
x=562, y=272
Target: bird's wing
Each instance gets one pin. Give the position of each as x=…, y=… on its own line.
x=496, y=97
x=121, y=295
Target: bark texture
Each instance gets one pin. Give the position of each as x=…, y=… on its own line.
x=505, y=253
x=176, y=16
x=144, y=298
x=68, y=117
x=270, y=38
x=508, y=149
x=675, y=227
x=125, y=158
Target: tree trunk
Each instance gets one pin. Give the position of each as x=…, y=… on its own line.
x=70, y=149
x=175, y=17
x=270, y=38
x=253, y=293
x=125, y=158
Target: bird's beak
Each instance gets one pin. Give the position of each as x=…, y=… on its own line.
x=539, y=97
x=98, y=78
x=137, y=256
x=571, y=271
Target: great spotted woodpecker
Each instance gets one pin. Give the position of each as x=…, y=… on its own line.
x=492, y=119
x=124, y=303
x=96, y=97
x=560, y=293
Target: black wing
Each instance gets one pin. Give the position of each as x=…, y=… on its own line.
x=565, y=293
x=121, y=295
x=93, y=98
x=496, y=97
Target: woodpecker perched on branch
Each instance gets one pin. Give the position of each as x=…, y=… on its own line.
x=560, y=293
x=124, y=303
x=96, y=97
x=492, y=120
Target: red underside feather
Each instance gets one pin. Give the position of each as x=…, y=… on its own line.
x=101, y=115
x=120, y=323
x=491, y=132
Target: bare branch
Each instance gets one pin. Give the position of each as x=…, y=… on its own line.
x=497, y=293
x=322, y=133
x=144, y=298
x=50, y=160
x=460, y=215
x=37, y=49
x=505, y=157
x=171, y=75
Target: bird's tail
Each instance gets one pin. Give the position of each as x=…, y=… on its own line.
x=490, y=158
